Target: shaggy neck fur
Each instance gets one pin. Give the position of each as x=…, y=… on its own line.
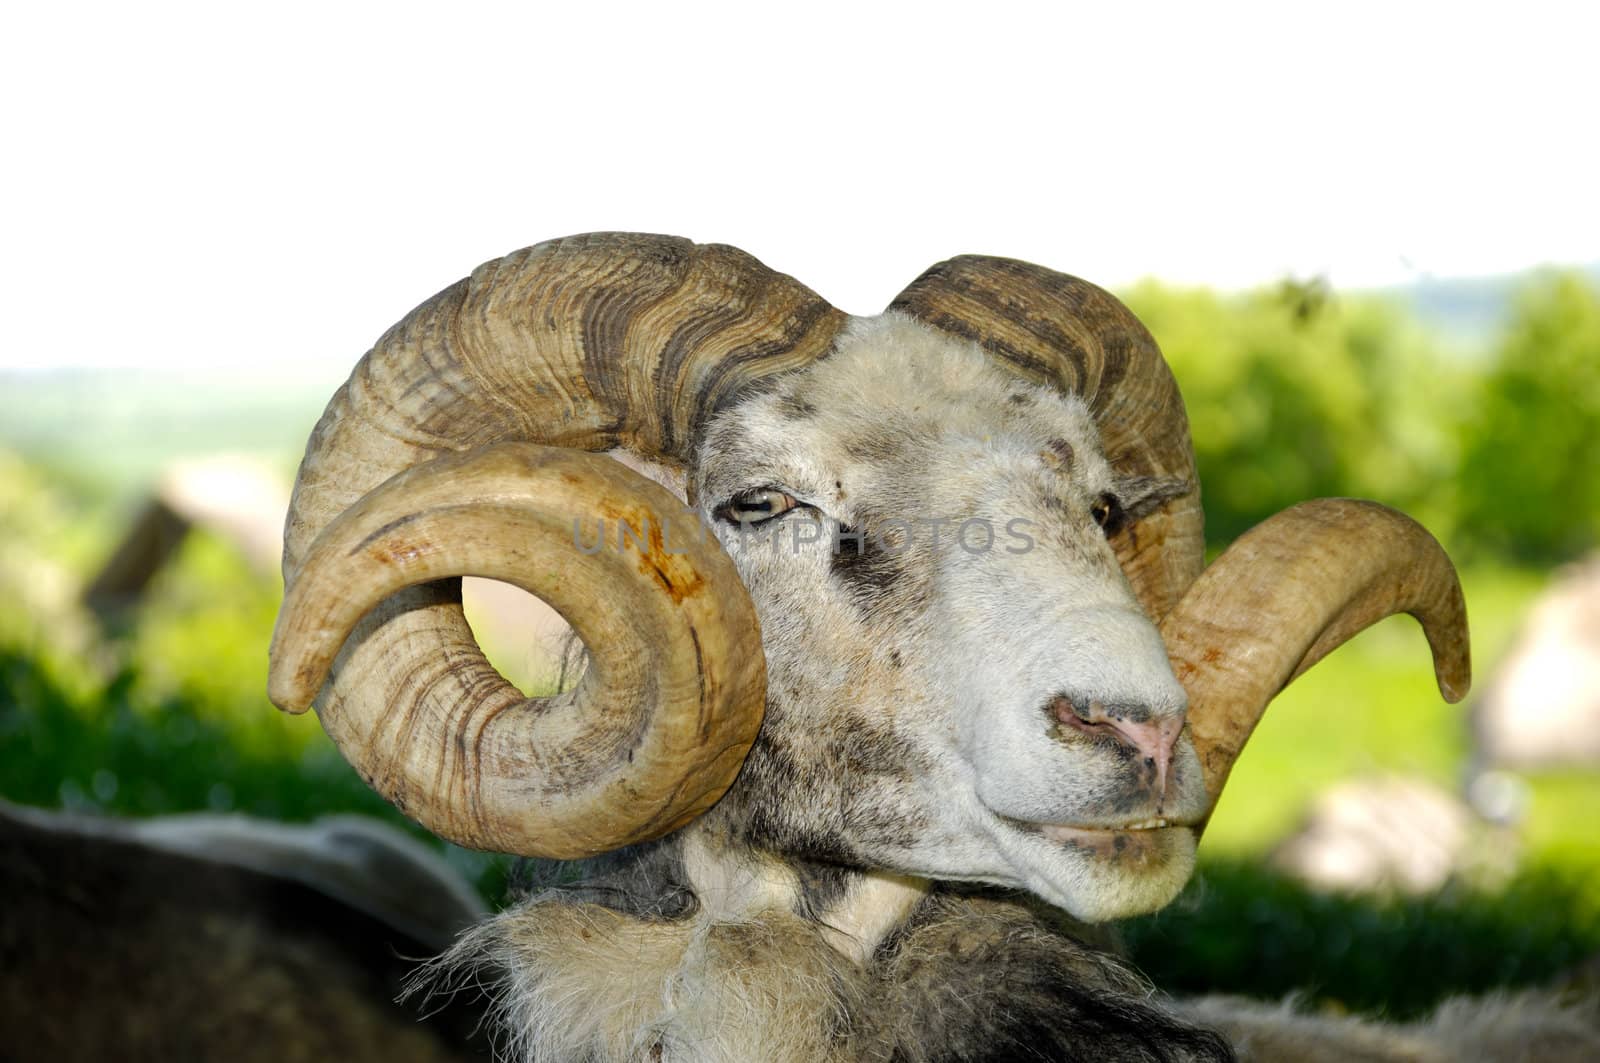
x=790, y=964
x=692, y=949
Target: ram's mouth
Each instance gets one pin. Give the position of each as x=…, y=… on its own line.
x=1140, y=842
x=1065, y=832
x=1118, y=838
x=1146, y=842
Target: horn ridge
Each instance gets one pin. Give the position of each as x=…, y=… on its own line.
x=650, y=737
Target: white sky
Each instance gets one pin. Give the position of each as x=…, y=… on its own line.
x=200, y=186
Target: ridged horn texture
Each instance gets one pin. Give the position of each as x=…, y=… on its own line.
x=1290, y=591
x=586, y=343
x=647, y=741
x=1066, y=333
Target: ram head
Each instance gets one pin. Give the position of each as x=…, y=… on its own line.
x=931, y=603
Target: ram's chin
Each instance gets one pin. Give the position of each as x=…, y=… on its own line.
x=1098, y=875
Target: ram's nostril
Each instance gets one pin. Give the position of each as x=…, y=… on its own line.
x=1067, y=711
x=1084, y=716
x=1152, y=738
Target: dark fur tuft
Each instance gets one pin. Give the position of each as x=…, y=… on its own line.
x=981, y=980
x=645, y=881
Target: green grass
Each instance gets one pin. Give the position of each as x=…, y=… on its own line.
x=1241, y=929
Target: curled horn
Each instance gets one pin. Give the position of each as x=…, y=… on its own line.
x=1290, y=591
x=455, y=449
x=1285, y=594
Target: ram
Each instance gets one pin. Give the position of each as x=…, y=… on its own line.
x=920, y=673
x=918, y=677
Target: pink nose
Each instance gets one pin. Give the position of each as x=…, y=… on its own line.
x=1153, y=738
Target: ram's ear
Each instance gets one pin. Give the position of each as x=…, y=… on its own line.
x=1142, y=495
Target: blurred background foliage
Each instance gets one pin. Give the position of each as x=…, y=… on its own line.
x=1529, y=464
x=1293, y=392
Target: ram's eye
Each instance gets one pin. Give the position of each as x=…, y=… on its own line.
x=756, y=505
x=1107, y=512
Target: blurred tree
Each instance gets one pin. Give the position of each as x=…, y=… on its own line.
x=1294, y=394
x=1529, y=482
